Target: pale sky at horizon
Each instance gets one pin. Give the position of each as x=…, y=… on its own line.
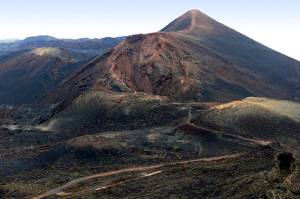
x=274, y=23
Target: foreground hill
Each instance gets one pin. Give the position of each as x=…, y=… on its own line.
x=255, y=117
x=195, y=58
x=140, y=144
x=26, y=76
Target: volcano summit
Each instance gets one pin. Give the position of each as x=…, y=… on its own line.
x=194, y=58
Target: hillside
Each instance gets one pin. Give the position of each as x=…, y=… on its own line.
x=27, y=76
x=194, y=59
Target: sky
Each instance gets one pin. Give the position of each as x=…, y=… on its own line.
x=274, y=23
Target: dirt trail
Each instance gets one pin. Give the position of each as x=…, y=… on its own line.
x=76, y=181
x=112, y=66
x=188, y=122
x=261, y=142
x=207, y=159
x=59, y=189
x=193, y=23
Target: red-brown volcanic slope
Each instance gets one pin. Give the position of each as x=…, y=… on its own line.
x=187, y=65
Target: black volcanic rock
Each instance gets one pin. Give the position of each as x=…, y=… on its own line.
x=98, y=110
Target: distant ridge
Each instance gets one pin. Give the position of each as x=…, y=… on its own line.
x=39, y=38
x=85, y=45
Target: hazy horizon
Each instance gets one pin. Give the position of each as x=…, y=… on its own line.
x=272, y=23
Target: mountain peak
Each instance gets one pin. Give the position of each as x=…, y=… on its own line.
x=194, y=12
x=192, y=20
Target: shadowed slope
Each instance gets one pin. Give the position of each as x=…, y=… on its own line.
x=276, y=69
x=26, y=76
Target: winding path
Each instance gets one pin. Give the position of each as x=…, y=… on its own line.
x=261, y=142
x=76, y=181
x=188, y=122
